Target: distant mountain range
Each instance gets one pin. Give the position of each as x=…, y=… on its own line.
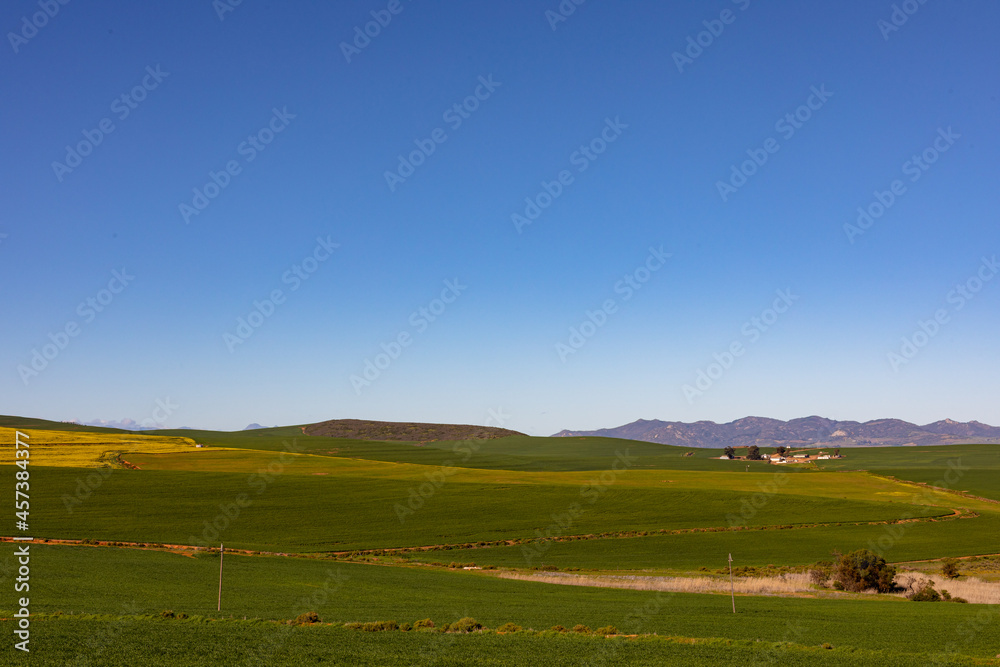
x=807, y=431
x=125, y=424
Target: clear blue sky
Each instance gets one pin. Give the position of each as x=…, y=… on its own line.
x=326, y=130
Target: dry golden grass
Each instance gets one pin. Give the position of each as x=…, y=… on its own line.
x=82, y=449
x=975, y=591
x=785, y=584
x=971, y=589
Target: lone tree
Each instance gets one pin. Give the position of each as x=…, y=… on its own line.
x=730, y=453
x=754, y=453
x=863, y=569
x=780, y=450
x=949, y=568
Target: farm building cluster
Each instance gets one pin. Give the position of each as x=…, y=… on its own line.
x=800, y=458
x=782, y=456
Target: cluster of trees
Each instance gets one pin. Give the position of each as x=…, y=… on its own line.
x=864, y=570
x=753, y=453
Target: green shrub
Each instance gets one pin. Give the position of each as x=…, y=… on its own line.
x=380, y=626
x=820, y=575
x=406, y=627
x=606, y=630
x=925, y=593
x=960, y=600
x=557, y=628
x=949, y=568
x=423, y=623
x=465, y=625
x=182, y=616
x=582, y=629
x=863, y=569
x=167, y=613
x=509, y=627
x=307, y=618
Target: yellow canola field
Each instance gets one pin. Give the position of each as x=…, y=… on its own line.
x=83, y=450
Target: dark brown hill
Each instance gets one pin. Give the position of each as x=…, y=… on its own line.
x=361, y=429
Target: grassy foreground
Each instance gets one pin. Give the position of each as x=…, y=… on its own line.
x=169, y=643
x=117, y=581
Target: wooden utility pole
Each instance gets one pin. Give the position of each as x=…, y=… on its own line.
x=222, y=551
x=732, y=587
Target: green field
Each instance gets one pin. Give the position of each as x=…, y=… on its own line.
x=971, y=468
x=592, y=504
x=918, y=541
x=513, y=453
x=357, y=508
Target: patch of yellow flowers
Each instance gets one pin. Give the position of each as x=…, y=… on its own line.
x=85, y=450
